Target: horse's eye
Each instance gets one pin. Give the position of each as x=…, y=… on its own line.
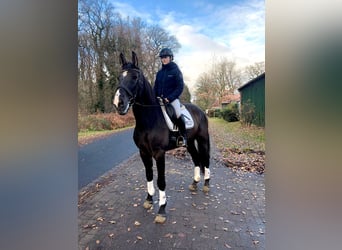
x=135, y=77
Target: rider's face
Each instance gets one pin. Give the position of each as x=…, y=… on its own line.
x=165, y=59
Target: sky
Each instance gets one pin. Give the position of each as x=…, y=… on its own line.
x=234, y=29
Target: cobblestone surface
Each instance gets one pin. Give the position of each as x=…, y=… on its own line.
x=230, y=216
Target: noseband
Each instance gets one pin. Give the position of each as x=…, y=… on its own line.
x=130, y=94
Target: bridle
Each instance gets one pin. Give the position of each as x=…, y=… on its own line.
x=132, y=96
x=128, y=91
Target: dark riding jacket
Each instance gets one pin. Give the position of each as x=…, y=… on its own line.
x=169, y=82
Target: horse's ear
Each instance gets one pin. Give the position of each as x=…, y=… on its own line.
x=122, y=59
x=135, y=59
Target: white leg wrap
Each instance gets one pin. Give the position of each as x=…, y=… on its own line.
x=197, y=176
x=150, y=188
x=162, y=198
x=206, y=173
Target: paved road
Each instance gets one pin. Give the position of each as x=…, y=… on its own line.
x=98, y=157
x=231, y=216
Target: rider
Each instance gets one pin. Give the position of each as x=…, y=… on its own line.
x=169, y=86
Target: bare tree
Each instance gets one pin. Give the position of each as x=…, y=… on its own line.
x=103, y=34
x=124, y=36
x=154, y=39
x=186, y=96
x=205, y=93
x=224, y=77
x=86, y=76
x=95, y=22
x=254, y=70
x=227, y=76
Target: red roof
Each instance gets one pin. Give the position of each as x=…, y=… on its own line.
x=231, y=98
x=227, y=99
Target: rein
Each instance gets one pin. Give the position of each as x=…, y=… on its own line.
x=148, y=105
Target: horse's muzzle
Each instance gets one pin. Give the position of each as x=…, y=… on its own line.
x=120, y=105
x=122, y=109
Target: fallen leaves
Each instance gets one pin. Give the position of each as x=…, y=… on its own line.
x=92, y=189
x=168, y=235
x=89, y=226
x=241, y=148
x=245, y=160
x=100, y=219
x=227, y=246
x=255, y=242
x=181, y=235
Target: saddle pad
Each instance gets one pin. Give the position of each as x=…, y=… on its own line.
x=189, y=122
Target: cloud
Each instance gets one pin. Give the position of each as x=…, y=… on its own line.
x=209, y=30
x=126, y=10
x=235, y=32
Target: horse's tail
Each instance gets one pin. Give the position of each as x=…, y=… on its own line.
x=204, y=143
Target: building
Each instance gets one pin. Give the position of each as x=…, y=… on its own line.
x=225, y=100
x=253, y=92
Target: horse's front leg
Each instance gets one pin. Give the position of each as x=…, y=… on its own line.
x=148, y=163
x=160, y=161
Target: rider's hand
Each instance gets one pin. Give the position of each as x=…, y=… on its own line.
x=166, y=100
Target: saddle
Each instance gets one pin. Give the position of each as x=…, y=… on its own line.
x=170, y=116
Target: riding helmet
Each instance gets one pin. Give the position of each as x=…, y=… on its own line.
x=166, y=52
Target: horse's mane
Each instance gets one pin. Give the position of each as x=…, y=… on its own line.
x=148, y=94
x=148, y=88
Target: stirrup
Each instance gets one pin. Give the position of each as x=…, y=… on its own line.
x=181, y=141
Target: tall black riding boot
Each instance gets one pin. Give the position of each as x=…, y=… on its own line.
x=182, y=129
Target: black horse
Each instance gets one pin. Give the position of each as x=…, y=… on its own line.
x=152, y=136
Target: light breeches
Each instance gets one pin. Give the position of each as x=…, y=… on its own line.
x=176, y=105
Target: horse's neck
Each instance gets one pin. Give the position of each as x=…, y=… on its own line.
x=147, y=117
x=147, y=111
x=146, y=95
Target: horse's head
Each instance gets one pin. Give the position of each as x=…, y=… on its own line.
x=128, y=84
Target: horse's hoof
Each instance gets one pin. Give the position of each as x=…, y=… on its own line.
x=206, y=189
x=148, y=204
x=193, y=187
x=160, y=218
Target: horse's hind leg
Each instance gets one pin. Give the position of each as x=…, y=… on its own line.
x=204, y=152
x=201, y=158
x=196, y=160
x=148, y=163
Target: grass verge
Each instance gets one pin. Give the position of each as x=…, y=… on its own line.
x=241, y=148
